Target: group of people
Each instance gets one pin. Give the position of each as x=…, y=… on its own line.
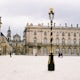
x=60, y=55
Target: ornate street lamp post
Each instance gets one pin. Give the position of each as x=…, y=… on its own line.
x=51, y=65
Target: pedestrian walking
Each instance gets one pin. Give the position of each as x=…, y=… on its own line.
x=58, y=54
x=61, y=55
x=10, y=54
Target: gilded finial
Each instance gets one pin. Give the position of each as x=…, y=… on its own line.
x=51, y=9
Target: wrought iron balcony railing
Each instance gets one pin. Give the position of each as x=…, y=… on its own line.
x=30, y=44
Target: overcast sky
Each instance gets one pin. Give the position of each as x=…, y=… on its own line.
x=16, y=13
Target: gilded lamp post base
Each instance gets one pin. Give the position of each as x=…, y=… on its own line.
x=51, y=65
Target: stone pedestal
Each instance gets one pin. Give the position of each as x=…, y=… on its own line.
x=51, y=65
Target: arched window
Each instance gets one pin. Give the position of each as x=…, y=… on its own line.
x=69, y=51
x=63, y=51
x=68, y=34
x=63, y=34
x=35, y=40
x=74, y=41
x=57, y=50
x=74, y=34
x=45, y=40
x=35, y=33
x=57, y=41
x=69, y=41
x=45, y=33
x=63, y=41
x=57, y=34
x=45, y=51
x=75, y=51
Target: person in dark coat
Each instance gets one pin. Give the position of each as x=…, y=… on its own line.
x=10, y=54
x=59, y=55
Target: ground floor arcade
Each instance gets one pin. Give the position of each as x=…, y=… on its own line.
x=65, y=50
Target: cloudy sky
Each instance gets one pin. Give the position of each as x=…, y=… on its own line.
x=16, y=13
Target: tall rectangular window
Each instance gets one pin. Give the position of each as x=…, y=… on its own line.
x=74, y=41
x=74, y=34
x=69, y=41
x=63, y=41
x=57, y=41
x=68, y=34
x=35, y=40
x=45, y=40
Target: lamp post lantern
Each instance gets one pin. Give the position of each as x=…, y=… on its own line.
x=51, y=65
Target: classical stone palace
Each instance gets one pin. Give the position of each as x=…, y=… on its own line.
x=66, y=40
x=36, y=40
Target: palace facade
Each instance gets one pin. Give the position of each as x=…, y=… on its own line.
x=36, y=40
x=66, y=40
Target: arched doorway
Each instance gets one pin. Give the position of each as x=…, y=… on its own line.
x=63, y=51
x=45, y=51
x=75, y=51
x=34, y=51
x=69, y=51
x=57, y=51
